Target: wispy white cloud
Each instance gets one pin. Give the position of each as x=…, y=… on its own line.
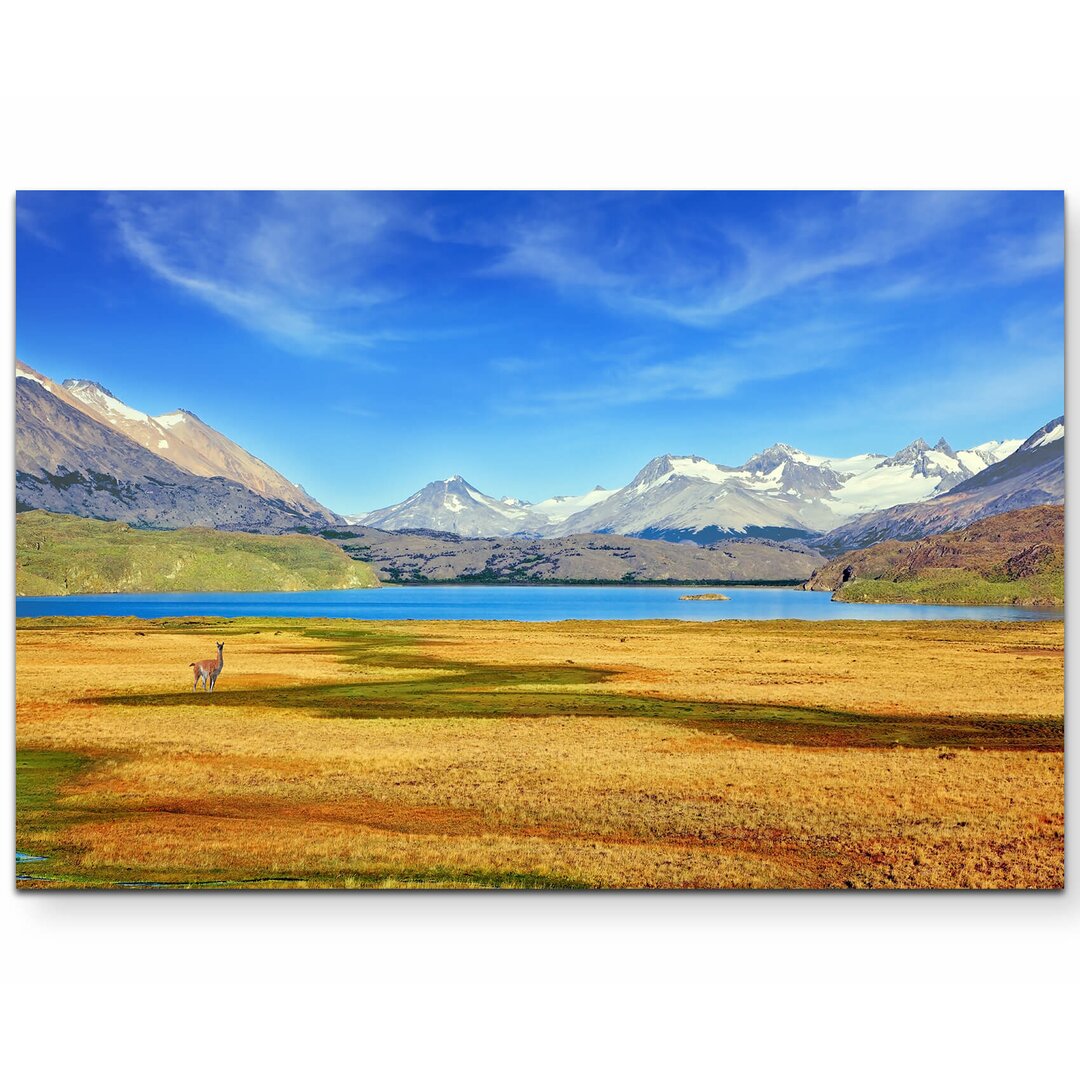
x=635, y=373
x=1005, y=384
x=1021, y=256
x=1017, y=366
x=289, y=266
x=545, y=250
x=876, y=234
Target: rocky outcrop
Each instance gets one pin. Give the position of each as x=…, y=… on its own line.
x=1017, y=546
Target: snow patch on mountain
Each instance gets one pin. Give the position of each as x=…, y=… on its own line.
x=111, y=407
x=24, y=373
x=1055, y=433
x=560, y=507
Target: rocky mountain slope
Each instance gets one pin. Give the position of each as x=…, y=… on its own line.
x=430, y=556
x=1033, y=475
x=68, y=462
x=780, y=493
x=182, y=438
x=1017, y=557
x=58, y=554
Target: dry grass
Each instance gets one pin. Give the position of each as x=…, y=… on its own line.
x=544, y=754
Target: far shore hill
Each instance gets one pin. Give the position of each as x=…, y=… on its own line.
x=1013, y=558
x=60, y=554
x=424, y=556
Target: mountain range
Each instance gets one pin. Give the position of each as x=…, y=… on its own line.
x=1033, y=475
x=781, y=493
x=79, y=450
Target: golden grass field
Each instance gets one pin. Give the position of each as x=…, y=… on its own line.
x=587, y=754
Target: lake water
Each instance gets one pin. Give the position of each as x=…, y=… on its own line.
x=527, y=603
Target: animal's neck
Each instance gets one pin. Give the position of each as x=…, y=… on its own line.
x=220, y=659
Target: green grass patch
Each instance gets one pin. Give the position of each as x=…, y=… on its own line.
x=954, y=586
x=40, y=811
x=59, y=555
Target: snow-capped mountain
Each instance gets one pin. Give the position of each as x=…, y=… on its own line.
x=182, y=438
x=690, y=498
x=781, y=492
x=1033, y=475
x=454, y=505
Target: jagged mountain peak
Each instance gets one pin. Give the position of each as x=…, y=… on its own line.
x=1031, y=475
x=775, y=455
x=87, y=384
x=70, y=460
x=106, y=405
x=908, y=455
x=940, y=462
x=784, y=449
x=667, y=466
x=453, y=505
x=178, y=416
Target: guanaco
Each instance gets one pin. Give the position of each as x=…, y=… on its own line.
x=209, y=670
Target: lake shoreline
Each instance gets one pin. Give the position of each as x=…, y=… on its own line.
x=532, y=603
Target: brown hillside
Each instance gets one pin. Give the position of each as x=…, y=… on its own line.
x=1013, y=546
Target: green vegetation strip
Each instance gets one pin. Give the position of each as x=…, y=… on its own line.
x=946, y=586
x=58, y=555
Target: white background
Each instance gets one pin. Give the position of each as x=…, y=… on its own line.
x=552, y=95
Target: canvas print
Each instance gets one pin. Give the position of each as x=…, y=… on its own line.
x=539, y=540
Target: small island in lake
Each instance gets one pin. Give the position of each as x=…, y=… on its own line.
x=705, y=596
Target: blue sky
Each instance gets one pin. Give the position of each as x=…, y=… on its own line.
x=541, y=343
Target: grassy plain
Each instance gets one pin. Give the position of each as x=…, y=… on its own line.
x=495, y=754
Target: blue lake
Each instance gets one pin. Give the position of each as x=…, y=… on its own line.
x=528, y=603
